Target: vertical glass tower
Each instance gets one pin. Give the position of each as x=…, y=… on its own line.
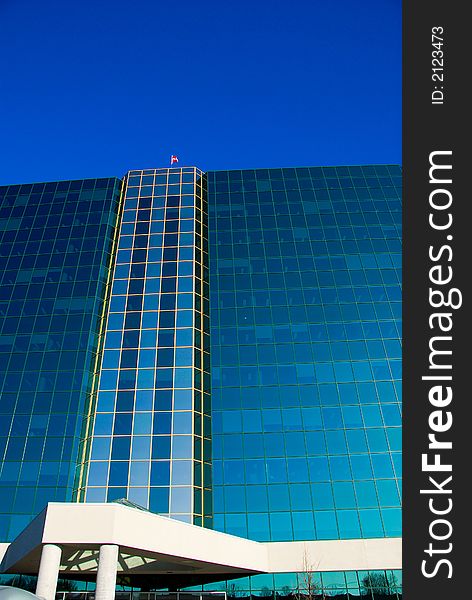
x=150, y=431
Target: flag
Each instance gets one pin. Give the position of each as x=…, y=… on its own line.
x=173, y=159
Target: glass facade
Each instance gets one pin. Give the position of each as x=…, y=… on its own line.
x=343, y=585
x=151, y=428
x=306, y=357
x=114, y=296
x=55, y=255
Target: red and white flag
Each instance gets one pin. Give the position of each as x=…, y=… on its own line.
x=173, y=159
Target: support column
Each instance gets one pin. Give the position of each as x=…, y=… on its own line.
x=106, y=573
x=48, y=571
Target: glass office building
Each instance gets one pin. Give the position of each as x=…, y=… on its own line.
x=115, y=298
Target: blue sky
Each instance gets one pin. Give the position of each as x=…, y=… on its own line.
x=95, y=88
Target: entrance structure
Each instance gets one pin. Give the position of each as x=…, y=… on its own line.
x=106, y=541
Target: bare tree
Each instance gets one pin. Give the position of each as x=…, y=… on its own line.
x=28, y=582
x=233, y=591
x=25, y=582
x=266, y=593
x=378, y=583
x=285, y=592
x=308, y=587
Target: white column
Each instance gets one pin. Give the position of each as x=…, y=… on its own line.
x=106, y=573
x=48, y=571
